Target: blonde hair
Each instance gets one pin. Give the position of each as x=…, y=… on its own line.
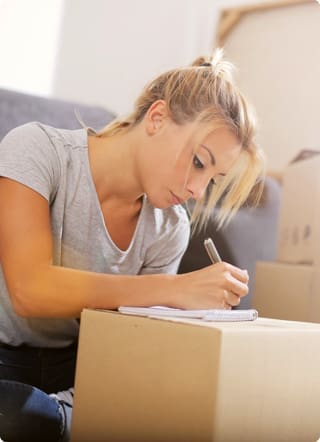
x=205, y=92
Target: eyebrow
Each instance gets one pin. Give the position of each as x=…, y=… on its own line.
x=213, y=160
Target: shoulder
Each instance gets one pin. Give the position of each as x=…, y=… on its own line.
x=28, y=156
x=36, y=133
x=39, y=156
x=30, y=138
x=23, y=133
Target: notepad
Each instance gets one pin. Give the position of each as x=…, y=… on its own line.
x=204, y=315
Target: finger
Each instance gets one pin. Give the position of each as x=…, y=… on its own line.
x=226, y=306
x=241, y=275
x=231, y=298
x=235, y=286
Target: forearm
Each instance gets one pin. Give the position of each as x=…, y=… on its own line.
x=63, y=292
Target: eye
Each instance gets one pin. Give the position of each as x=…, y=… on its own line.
x=197, y=163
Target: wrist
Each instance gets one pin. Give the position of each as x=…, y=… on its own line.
x=164, y=289
x=176, y=290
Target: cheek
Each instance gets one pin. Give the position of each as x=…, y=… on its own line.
x=161, y=174
x=170, y=164
x=182, y=168
x=170, y=171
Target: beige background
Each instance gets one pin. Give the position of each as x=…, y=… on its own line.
x=277, y=53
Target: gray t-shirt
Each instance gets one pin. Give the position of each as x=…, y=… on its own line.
x=55, y=163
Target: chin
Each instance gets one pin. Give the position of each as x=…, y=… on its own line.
x=159, y=204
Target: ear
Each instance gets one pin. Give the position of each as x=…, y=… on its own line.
x=156, y=117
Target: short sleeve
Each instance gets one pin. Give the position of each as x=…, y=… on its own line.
x=28, y=156
x=165, y=253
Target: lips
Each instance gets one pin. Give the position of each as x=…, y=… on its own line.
x=176, y=199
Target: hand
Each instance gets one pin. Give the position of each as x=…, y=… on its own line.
x=220, y=285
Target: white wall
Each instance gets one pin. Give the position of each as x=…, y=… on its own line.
x=279, y=71
x=100, y=51
x=104, y=51
x=110, y=49
x=29, y=33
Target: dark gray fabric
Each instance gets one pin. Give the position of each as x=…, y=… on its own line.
x=249, y=237
x=17, y=108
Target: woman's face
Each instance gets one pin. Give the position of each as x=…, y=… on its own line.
x=181, y=160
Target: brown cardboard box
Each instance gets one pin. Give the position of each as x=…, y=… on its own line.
x=287, y=291
x=299, y=223
x=151, y=380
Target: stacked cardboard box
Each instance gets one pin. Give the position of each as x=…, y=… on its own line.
x=290, y=287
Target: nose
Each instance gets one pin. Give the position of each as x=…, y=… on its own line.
x=196, y=188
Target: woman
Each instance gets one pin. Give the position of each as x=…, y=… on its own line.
x=95, y=219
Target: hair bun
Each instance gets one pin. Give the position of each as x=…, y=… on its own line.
x=201, y=61
x=217, y=63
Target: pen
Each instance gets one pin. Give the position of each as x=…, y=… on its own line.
x=211, y=250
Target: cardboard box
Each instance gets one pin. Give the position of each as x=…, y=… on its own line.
x=287, y=291
x=152, y=380
x=299, y=222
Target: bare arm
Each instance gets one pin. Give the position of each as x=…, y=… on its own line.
x=40, y=289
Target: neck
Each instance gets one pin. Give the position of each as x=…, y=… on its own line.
x=114, y=169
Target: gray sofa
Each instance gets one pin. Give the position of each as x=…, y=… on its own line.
x=18, y=108
x=249, y=237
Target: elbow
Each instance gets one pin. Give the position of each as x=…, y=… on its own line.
x=28, y=289
x=23, y=301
